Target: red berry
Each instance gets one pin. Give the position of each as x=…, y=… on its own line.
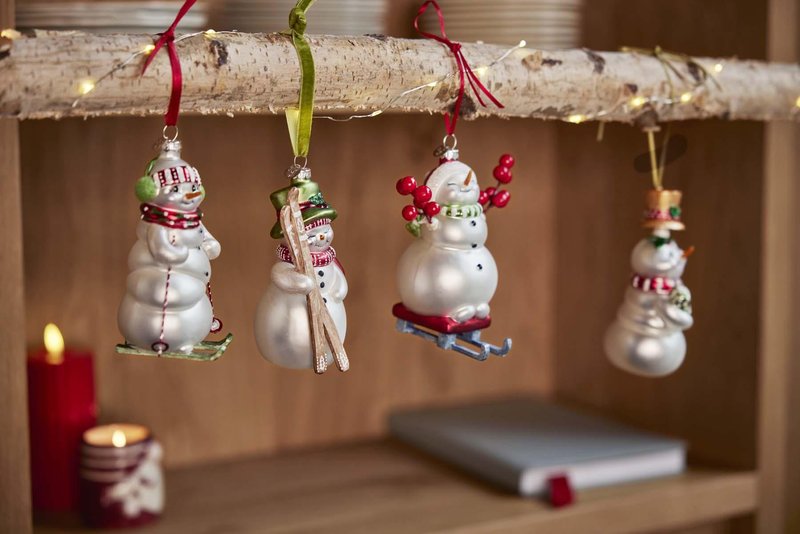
x=483, y=198
x=422, y=194
x=431, y=209
x=406, y=186
x=501, y=198
x=490, y=191
x=507, y=160
x=409, y=213
x=502, y=174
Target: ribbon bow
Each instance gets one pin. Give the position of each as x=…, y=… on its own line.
x=168, y=38
x=299, y=118
x=464, y=70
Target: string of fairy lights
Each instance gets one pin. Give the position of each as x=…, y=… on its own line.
x=626, y=103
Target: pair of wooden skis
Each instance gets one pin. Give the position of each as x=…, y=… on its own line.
x=323, y=330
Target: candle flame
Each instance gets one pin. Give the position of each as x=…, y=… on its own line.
x=54, y=343
x=118, y=439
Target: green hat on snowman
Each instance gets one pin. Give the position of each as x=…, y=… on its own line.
x=312, y=204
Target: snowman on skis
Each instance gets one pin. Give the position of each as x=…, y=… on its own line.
x=166, y=308
x=647, y=336
x=447, y=276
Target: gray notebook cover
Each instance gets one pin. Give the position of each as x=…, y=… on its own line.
x=519, y=443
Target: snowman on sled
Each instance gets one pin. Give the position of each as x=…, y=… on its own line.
x=447, y=276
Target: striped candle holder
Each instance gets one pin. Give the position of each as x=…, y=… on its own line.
x=121, y=479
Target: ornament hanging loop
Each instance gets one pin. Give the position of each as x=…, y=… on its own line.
x=170, y=128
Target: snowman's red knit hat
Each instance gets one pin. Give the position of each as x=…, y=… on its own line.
x=176, y=175
x=169, y=169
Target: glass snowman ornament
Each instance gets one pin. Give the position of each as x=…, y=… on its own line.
x=447, y=276
x=167, y=308
x=647, y=336
x=282, y=329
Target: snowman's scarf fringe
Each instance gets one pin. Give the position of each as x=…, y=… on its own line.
x=318, y=259
x=170, y=218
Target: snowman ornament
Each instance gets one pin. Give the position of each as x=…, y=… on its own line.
x=647, y=336
x=447, y=276
x=282, y=326
x=167, y=309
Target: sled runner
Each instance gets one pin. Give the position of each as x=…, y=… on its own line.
x=446, y=332
x=205, y=351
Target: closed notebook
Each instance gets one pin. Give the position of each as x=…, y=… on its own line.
x=519, y=444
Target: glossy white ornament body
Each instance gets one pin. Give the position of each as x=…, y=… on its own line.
x=282, y=331
x=448, y=271
x=175, y=308
x=647, y=336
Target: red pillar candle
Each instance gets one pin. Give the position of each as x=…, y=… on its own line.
x=61, y=406
x=122, y=484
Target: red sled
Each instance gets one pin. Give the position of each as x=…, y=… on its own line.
x=448, y=331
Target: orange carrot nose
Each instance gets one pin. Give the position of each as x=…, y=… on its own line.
x=190, y=196
x=688, y=252
x=469, y=179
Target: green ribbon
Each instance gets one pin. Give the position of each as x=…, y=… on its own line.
x=299, y=118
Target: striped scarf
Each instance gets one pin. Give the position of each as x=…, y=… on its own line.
x=656, y=284
x=468, y=211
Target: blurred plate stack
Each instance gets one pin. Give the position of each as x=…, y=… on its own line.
x=545, y=24
x=337, y=17
x=108, y=17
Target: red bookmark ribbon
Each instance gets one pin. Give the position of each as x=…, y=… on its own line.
x=465, y=72
x=168, y=38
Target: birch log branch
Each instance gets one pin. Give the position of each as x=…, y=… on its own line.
x=224, y=73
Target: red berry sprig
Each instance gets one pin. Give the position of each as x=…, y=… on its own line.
x=423, y=205
x=494, y=196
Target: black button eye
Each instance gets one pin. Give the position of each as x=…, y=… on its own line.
x=322, y=284
x=473, y=223
x=194, y=188
x=175, y=189
x=474, y=245
x=480, y=267
x=321, y=273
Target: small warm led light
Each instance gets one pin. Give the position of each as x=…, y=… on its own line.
x=147, y=49
x=481, y=71
x=86, y=86
x=118, y=439
x=11, y=34
x=686, y=97
x=637, y=102
x=718, y=67
x=54, y=344
x=210, y=33
x=576, y=119
x=432, y=84
x=522, y=44
x=797, y=102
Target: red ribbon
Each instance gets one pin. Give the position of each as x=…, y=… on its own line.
x=168, y=38
x=464, y=70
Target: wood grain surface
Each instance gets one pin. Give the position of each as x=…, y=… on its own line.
x=80, y=216
x=388, y=488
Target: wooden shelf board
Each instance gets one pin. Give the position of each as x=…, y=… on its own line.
x=387, y=487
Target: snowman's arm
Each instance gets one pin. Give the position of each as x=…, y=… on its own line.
x=678, y=316
x=211, y=246
x=286, y=278
x=162, y=250
x=340, y=287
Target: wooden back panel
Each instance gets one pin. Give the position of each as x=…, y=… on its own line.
x=711, y=400
x=80, y=214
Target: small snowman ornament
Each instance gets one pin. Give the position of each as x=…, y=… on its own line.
x=167, y=309
x=282, y=326
x=647, y=336
x=447, y=276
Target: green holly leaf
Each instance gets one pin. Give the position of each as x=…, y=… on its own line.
x=316, y=199
x=675, y=212
x=659, y=241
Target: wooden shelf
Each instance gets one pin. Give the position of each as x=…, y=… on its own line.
x=387, y=487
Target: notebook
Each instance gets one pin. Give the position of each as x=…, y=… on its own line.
x=519, y=444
